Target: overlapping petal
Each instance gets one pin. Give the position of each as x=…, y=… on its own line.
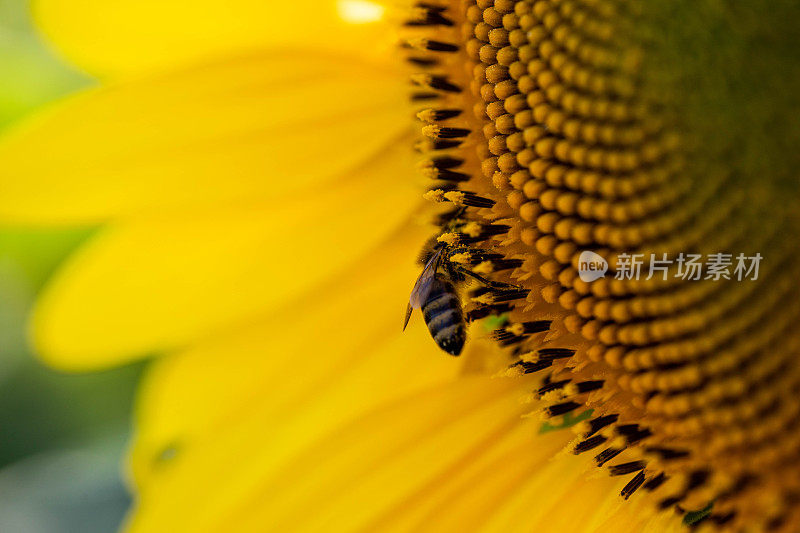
x=162, y=282
x=120, y=37
x=426, y=434
x=251, y=128
x=453, y=457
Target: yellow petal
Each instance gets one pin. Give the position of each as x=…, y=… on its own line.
x=246, y=482
x=162, y=282
x=466, y=498
x=641, y=515
x=570, y=495
x=115, y=37
x=316, y=354
x=252, y=128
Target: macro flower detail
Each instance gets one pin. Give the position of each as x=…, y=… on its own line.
x=264, y=176
x=548, y=134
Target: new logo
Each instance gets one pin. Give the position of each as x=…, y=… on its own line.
x=591, y=266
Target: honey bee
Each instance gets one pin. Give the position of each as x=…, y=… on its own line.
x=437, y=298
x=435, y=294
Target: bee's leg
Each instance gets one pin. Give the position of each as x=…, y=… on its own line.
x=475, y=253
x=491, y=284
x=459, y=250
x=449, y=219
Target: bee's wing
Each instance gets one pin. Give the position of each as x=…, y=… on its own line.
x=409, y=310
x=422, y=287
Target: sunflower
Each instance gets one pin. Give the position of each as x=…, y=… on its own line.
x=255, y=170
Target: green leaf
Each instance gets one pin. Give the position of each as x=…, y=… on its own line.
x=491, y=323
x=693, y=517
x=568, y=420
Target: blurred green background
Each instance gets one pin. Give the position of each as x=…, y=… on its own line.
x=61, y=436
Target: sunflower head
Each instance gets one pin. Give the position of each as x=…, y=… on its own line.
x=625, y=129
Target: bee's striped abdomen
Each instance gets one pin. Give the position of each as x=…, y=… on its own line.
x=443, y=315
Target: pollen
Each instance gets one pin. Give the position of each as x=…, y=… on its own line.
x=551, y=130
x=461, y=258
x=451, y=238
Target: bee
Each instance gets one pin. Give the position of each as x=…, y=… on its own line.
x=435, y=294
x=437, y=298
